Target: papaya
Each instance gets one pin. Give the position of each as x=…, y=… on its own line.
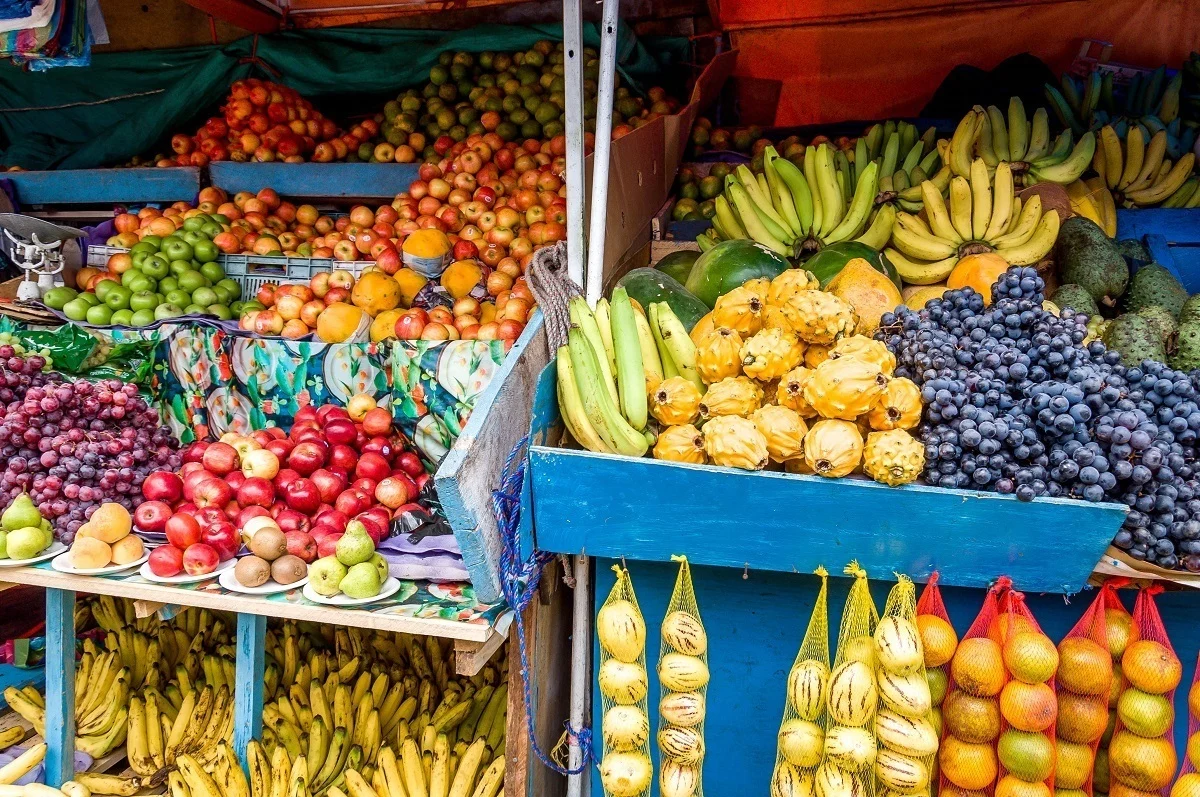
x=829, y=262
x=678, y=265
x=729, y=265
x=649, y=285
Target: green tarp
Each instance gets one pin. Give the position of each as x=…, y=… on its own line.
x=126, y=103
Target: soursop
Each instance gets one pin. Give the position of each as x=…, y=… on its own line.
x=1190, y=311
x=1186, y=356
x=1161, y=319
x=1135, y=338
x=1151, y=285
x=1076, y=297
x=1087, y=257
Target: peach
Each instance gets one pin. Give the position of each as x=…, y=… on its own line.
x=89, y=553
x=109, y=523
x=127, y=549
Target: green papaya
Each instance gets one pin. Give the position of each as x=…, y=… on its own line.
x=829, y=262
x=729, y=265
x=649, y=285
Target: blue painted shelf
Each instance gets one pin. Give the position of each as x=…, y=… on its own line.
x=647, y=510
x=103, y=186
x=1172, y=236
x=347, y=180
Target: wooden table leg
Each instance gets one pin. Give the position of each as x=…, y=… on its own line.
x=248, y=697
x=60, y=686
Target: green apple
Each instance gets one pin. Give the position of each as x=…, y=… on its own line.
x=194, y=309
x=118, y=298
x=180, y=267
x=156, y=266
x=220, y=311
x=167, y=311
x=204, y=296
x=212, y=271
x=103, y=287
x=56, y=298
x=178, y=297
x=223, y=295
x=122, y=318
x=76, y=309
x=153, y=240
x=219, y=218
x=168, y=284
x=235, y=290
x=176, y=248
x=191, y=280
x=130, y=275
x=212, y=229
x=192, y=236
x=143, y=318
x=142, y=249
x=206, y=252
x=143, y=300
x=194, y=223
x=99, y=315
x=142, y=283
x=89, y=298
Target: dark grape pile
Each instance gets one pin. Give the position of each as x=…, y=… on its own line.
x=75, y=445
x=1016, y=403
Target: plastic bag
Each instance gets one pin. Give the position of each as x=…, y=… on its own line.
x=1188, y=782
x=1082, y=683
x=1118, y=631
x=625, y=769
x=907, y=740
x=971, y=710
x=938, y=643
x=683, y=678
x=1141, y=754
x=802, y=730
x=847, y=767
x=1025, y=750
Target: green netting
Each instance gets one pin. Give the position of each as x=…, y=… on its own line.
x=125, y=103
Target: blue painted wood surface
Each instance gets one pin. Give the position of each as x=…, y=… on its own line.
x=377, y=180
x=11, y=675
x=60, y=686
x=102, y=186
x=755, y=626
x=647, y=509
x=248, y=697
x=1172, y=236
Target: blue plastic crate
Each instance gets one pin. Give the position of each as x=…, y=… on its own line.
x=1172, y=238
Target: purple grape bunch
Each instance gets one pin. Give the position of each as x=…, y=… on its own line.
x=74, y=445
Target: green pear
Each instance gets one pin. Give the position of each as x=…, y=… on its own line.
x=25, y=543
x=21, y=513
x=326, y=576
x=362, y=581
x=381, y=565
x=355, y=546
x=46, y=527
x=3, y=544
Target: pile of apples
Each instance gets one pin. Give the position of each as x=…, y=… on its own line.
x=292, y=310
x=335, y=464
x=263, y=121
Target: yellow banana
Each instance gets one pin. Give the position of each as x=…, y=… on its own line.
x=914, y=243
x=1162, y=189
x=917, y=272
x=1031, y=214
x=1018, y=129
x=960, y=207
x=1110, y=145
x=962, y=144
x=98, y=783
x=1155, y=152
x=981, y=199
x=1002, y=202
x=880, y=230
x=603, y=313
x=937, y=213
x=1038, y=245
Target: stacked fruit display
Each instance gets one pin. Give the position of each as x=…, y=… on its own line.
x=1028, y=705
x=263, y=121
x=271, y=557
x=24, y=533
x=354, y=569
x=1141, y=754
x=971, y=715
x=907, y=738
x=683, y=674
x=626, y=769
x=1118, y=629
x=1084, y=680
x=105, y=539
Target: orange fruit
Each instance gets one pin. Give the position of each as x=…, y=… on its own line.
x=969, y=766
x=1118, y=789
x=950, y=790
x=1151, y=666
x=978, y=667
x=1031, y=657
x=1081, y=718
x=938, y=639
x=1012, y=786
x=1194, y=700
x=1187, y=786
x=1007, y=624
x=1139, y=763
x=974, y=720
x=1028, y=707
x=1084, y=667
x=1118, y=631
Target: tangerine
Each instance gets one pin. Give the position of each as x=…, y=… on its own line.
x=1151, y=666
x=978, y=667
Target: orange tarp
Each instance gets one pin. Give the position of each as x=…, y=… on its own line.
x=872, y=59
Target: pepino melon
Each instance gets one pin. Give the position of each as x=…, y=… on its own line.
x=730, y=264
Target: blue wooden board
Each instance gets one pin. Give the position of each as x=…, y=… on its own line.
x=17, y=677
x=755, y=626
x=102, y=186
x=377, y=180
x=1172, y=236
x=647, y=509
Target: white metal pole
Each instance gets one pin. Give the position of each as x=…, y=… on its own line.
x=581, y=671
x=604, y=105
x=573, y=51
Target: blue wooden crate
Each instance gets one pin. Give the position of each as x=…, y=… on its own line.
x=331, y=180
x=105, y=186
x=1172, y=238
x=646, y=509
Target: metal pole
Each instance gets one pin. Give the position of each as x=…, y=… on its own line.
x=573, y=51
x=581, y=671
x=604, y=105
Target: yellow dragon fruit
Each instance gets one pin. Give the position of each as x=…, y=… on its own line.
x=734, y=395
x=893, y=457
x=833, y=448
x=682, y=443
x=741, y=309
x=774, y=318
x=864, y=348
x=735, y=443
x=845, y=388
x=790, y=283
x=719, y=355
x=790, y=392
x=898, y=407
x=675, y=401
x=770, y=354
x=783, y=429
x=819, y=317
x=814, y=355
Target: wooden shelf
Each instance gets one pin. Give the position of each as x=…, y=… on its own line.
x=102, y=186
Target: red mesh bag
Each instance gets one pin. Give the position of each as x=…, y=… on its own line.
x=971, y=710
x=1192, y=754
x=1118, y=629
x=1141, y=754
x=1083, y=682
x=938, y=641
x=1028, y=705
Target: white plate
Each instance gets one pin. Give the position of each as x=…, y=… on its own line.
x=230, y=582
x=62, y=563
x=54, y=550
x=390, y=588
x=184, y=578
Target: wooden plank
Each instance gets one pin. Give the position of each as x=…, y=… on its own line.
x=345, y=180
x=248, y=697
x=471, y=657
x=96, y=186
x=295, y=608
x=471, y=469
x=60, y=686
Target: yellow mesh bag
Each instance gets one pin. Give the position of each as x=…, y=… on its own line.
x=907, y=740
x=801, y=740
x=625, y=769
x=683, y=678
x=847, y=767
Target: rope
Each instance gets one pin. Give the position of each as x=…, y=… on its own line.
x=519, y=582
x=553, y=290
x=82, y=104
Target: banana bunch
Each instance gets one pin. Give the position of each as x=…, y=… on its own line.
x=792, y=210
x=981, y=217
x=613, y=359
x=1091, y=199
x=988, y=134
x=1076, y=100
x=1139, y=174
x=25, y=763
x=905, y=161
x=222, y=777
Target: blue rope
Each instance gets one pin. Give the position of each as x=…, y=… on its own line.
x=519, y=582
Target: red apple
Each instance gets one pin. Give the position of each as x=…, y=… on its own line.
x=329, y=484
x=374, y=530
x=182, y=530
x=280, y=448
x=220, y=458
x=186, y=508
x=256, y=491
x=235, y=480
x=200, y=559
x=373, y=465
x=334, y=518
x=422, y=480
x=195, y=452
x=306, y=414
x=223, y=538
x=213, y=492
x=262, y=437
x=392, y=492
x=343, y=457
x=166, y=561
x=327, y=412
x=340, y=430
x=261, y=463
x=302, y=495
x=377, y=422
x=152, y=515
x=285, y=477
x=250, y=512
x=302, y=544
x=351, y=502
x=291, y=520
x=306, y=457
x=327, y=546
x=162, y=486
x=193, y=480
x=365, y=485
x=380, y=445
x=410, y=463
x=190, y=467
x=232, y=509
x=210, y=515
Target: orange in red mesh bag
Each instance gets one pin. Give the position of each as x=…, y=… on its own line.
x=971, y=710
x=938, y=643
x=1141, y=755
x=1118, y=630
x=1188, y=784
x=1083, y=682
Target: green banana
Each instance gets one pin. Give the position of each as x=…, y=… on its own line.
x=810, y=177
x=762, y=201
x=797, y=186
x=679, y=343
x=1069, y=169
x=752, y=222
x=601, y=411
x=631, y=379
x=582, y=317
x=731, y=228
x=664, y=354
x=1018, y=129
x=999, y=133
x=860, y=208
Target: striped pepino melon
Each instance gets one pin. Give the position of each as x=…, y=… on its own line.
x=898, y=646
x=905, y=694
x=801, y=743
x=684, y=745
x=851, y=749
x=621, y=630
x=808, y=684
x=684, y=632
x=681, y=673
x=789, y=780
x=900, y=772
x=852, y=694
x=910, y=736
